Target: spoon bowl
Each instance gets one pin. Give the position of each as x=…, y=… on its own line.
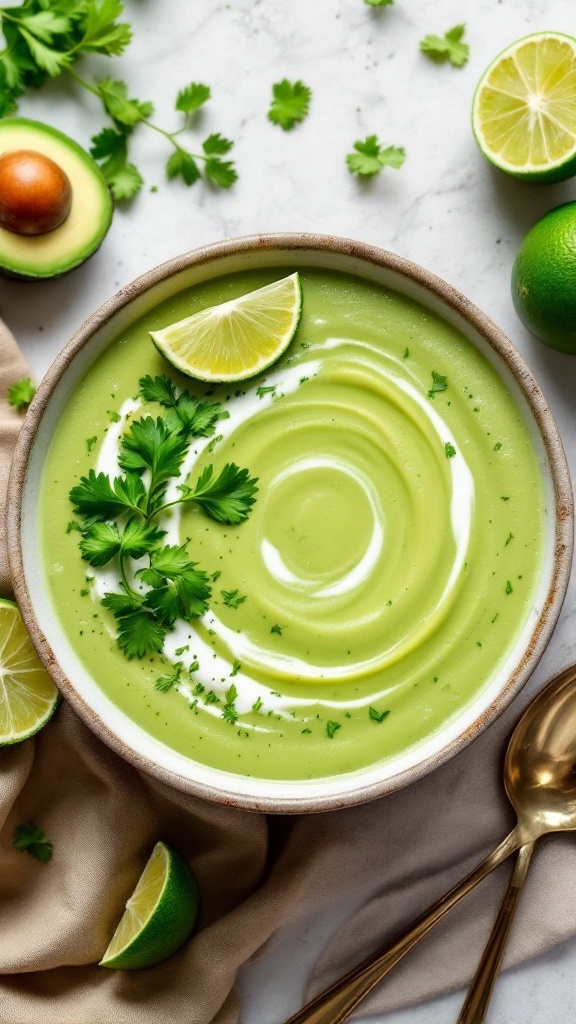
x=540, y=765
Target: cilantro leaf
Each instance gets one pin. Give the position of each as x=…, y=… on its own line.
x=233, y=598
x=179, y=589
x=370, y=157
x=377, y=716
x=30, y=839
x=182, y=164
x=290, y=103
x=111, y=148
x=195, y=418
x=332, y=729
x=165, y=683
x=192, y=97
x=227, y=498
x=439, y=383
x=220, y=172
x=150, y=444
x=158, y=389
x=100, y=543
x=447, y=47
x=21, y=394
x=121, y=604
x=49, y=60
x=95, y=497
x=101, y=33
x=216, y=145
x=122, y=110
x=140, y=633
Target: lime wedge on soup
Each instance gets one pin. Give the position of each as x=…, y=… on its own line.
x=160, y=914
x=235, y=339
x=28, y=697
x=524, y=109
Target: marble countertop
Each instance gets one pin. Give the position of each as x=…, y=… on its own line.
x=445, y=209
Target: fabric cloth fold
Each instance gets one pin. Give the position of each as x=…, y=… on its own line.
x=255, y=874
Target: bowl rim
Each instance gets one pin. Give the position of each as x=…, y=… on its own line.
x=496, y=339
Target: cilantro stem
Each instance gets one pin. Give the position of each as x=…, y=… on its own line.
x=84, y=83
x=128, y=588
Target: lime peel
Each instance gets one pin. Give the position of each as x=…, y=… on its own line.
x=28, y=697
x=524, y=109
x=238, y=338
x=160, y=915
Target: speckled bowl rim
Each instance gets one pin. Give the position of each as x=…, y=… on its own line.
x=448, y=296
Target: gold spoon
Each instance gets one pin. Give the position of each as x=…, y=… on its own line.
x=480, y=992
x=540, y=780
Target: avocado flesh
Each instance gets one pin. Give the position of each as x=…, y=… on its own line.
x=80, y=234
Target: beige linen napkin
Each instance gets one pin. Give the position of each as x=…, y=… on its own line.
x=255, y=873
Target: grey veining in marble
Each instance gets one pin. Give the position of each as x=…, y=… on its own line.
x=445, y=209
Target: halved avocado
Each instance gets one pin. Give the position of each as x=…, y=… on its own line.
x=35, y=256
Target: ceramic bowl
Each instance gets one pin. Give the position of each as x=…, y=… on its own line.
x=83, y=692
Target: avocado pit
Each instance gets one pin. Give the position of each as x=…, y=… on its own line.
x=35, y=193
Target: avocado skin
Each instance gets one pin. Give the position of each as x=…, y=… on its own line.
x=85, y=176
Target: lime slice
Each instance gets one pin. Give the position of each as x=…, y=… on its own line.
x=159, y=915
x=238, y=338
x=28, y=697
x=524, y=109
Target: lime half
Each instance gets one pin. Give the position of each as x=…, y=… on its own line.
x=159, y=915
x=524, y=109
x=238, y=338
x=28, y=697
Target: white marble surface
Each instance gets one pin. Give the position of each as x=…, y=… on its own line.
x=444, y=209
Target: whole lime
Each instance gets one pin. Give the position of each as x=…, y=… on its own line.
x=544, y=279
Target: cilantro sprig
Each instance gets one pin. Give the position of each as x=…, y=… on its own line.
x=290, y=103
x=45, y=40
x=21, y=394
x=120, y=519
x=447, y=47
x=30, y=839
x=369, y=157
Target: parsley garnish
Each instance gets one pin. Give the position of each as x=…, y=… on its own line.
x=44, y=40
x=261, y=391
x=212, y=698
x=257, y=704
x=332, y=729
x=290, y=103
x=449, y=450
x=447, y=47
x=118, y=517
x=497, y=446
x=232, y=598
x=377, y=716
x=235, y=668
x=22, y=392
x=165, y=683
x=509, y=588
x=229, y=712
x=508, y=539
x=277, y=629
x=370, y=157
x=439, y=383
x=31, y=839
x=90, y=442
x=406, y=353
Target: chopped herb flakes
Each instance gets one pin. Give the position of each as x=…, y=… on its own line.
x=277, y=629
x=332, y=729
x=509, y=588
x=377, y=716
x=449, y=450
x=439, y=383
x=232, y=598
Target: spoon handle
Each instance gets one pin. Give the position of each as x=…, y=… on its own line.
x=336, y=1003
x=480, y=991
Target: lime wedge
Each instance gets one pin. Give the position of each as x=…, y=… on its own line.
x=238, y=338
x=159, y=915
x=28, y=697
x=524, y=109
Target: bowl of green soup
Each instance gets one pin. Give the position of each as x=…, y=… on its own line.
x=391, y=587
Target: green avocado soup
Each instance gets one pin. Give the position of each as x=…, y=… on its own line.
x=388, y=564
